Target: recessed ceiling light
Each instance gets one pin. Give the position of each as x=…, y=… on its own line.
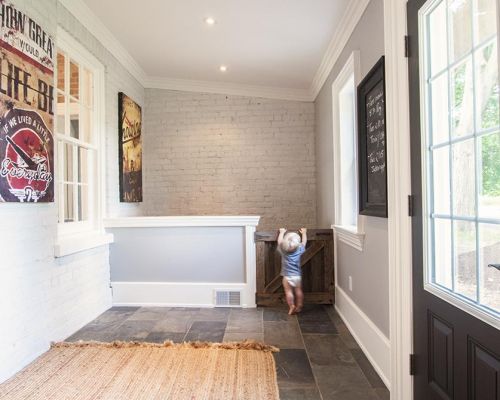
x=210, y=21
x=222, y=68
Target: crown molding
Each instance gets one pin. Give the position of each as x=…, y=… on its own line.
x=94, y=25
x=342, y=34
x=235, y=89
x=351, y=17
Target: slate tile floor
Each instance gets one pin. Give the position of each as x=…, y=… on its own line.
x=318, y=358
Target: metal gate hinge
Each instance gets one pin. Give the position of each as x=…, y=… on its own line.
x=411, y=205
x=412, y=364
x=407, y=46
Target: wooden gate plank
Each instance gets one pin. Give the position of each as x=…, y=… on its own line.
x=311, y=251
x=316, y=262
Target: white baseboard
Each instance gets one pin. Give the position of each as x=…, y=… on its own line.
x=176, y=294
x=373, y=342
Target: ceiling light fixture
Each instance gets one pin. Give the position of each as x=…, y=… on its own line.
x=210, y=21
x=222, y=68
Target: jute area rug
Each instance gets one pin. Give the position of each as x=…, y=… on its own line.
x=132, y=370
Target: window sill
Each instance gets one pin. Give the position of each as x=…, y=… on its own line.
x=350, y=236
x=71, y=244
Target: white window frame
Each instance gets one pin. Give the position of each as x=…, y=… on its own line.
x=352, y=235
x=461, y=302
x=73, y=237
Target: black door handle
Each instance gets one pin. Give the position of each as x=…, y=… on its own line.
x=497, y=266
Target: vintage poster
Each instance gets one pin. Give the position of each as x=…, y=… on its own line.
x=130, y=128
x=26, y=108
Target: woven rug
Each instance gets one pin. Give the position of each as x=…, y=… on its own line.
x=133, y=370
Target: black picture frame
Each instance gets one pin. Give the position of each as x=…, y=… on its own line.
x=372, y=146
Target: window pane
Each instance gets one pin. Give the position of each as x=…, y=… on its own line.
x=465, y=258
x=61, y=68
x=442, y=253
x=489, y=251
x=86, y=125
x=68, y=162
x=489, y=183
x=347, y=159
x=460, y=28
x=487, y=90
x=437, y=39
x=464, y=203
x=61, y=114
x=486, y=19
x=462, y=99
x=74, y=88
x=83, y=165
x=441, y=180
x=83, y=203
x=87, y=92
x=74, y=123
x=69, y=212
x=440, y=106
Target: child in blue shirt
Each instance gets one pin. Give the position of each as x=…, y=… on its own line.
x=291, y=247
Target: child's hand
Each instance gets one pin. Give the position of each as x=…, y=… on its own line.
x=282, y=230
x=302, y=231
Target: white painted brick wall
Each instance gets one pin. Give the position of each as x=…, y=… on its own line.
x=43, y=299
x=212, y=154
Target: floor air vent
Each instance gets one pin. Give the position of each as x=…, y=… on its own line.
x=224, y=298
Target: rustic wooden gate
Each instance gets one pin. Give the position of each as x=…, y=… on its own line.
x=316, y=263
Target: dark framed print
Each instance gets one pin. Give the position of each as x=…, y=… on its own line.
x=130, y=149
x=372, y=143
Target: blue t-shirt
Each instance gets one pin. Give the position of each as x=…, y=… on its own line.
x=290, y=262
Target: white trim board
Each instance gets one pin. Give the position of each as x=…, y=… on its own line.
x=181, y=221
x=342, y=34
x=349, y=20
x=176, y=294
x=94, y=25
x=235, y=89
x=398, y=189
x=373, y=342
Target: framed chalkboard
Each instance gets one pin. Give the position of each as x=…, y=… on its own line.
x=372, y=143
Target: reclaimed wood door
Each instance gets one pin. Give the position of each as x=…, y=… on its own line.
x=316, y=263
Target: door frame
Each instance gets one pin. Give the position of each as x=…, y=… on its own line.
x=398, y=190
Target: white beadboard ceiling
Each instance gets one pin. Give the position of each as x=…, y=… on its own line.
x=270, y=43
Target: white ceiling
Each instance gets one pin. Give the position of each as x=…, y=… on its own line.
x=272, y=43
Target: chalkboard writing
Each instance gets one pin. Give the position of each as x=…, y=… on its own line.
x=372, y=143
x=375, y=144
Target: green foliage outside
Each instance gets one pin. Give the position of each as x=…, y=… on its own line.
x=490, y=118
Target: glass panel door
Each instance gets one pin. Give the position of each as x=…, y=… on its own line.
x=461, y=151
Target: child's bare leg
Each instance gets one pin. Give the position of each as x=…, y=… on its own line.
x=299, y=296
x=289, y=296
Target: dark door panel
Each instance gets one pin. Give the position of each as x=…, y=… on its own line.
x=456, y=354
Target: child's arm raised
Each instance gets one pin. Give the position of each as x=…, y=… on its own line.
x=303, y=232
x=280, y=236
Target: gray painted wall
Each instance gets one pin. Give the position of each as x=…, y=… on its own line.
x=201, y=254
x=369, y=269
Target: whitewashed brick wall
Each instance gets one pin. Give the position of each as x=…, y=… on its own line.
x=43, y=299
x=212, y=154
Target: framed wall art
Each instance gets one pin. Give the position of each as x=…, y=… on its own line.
x=372, y=143
x=26, y=109
x=130, y=149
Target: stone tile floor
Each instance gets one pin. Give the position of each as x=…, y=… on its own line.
x=318, y=358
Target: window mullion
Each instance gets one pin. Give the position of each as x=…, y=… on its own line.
x=476, y=158
x=75, y=185
x=450, y=124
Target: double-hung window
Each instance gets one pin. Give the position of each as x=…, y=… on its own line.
x=78, y=127
x=348, y=224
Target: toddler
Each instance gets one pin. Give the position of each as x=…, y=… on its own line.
x=291, y=248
